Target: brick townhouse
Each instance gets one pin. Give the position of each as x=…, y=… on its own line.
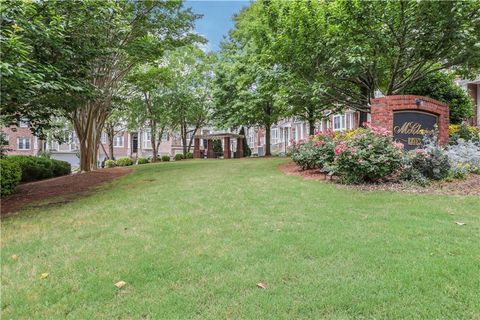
x=473, y=89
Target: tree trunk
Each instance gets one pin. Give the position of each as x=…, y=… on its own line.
x=267, y=141
x=311, y=127
x=311, y=121
x=88, y=123
x=110, y=136
x=184, y=138
x=153, y=140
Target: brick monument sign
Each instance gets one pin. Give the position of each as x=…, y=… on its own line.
x=411, y=117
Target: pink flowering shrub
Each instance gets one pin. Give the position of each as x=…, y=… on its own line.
x=317, y=153
x=368, y=156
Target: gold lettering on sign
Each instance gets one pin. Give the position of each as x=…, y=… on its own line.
x=414, y=141
x=411, y=128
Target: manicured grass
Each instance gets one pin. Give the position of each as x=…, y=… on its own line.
x=192, y=239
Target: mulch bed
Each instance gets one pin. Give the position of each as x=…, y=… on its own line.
x=66, y=187
x=468, y=186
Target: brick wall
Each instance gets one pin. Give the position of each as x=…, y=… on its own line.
x=13, y=133
x=382, y=111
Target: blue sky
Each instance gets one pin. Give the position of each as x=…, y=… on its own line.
x=217, y=18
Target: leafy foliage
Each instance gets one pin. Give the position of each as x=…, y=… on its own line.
x=368, y=156
x=37, y=168
x=166, y=158
x=179, y=157
x=441, y=86
x=10, y=176
x=110, y=163
x=142, y=160
x=464, y=157
x=124, y=161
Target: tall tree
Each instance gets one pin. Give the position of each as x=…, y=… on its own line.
x=150, y=103
x=84, y=69
x=389, y=45
x=297, y=39
x=247, y=77
x=191, y=91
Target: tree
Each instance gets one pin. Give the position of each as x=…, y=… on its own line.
x=190, y=91
x=389, y=45
x=246, y=77
x=441, y=86
x=297, y=40
x=43, y=66
x=344, y=51
x=84, y=69
x=115, y=124
x=150, y=102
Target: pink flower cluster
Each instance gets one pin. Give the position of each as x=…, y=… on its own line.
x=377, y=130
x=340, y=148
x=326, y=133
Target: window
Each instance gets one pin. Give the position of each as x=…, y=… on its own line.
x=165, y=136
x=23, y=123
x=339, y=122
x=103, y=138
x=274, y=137
x=23, y=144
x=118, y=142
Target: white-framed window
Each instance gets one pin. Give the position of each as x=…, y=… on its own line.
x=118, y=141
x=274, y=135
x=339, y=122
x=23, y=123
x=23, y=143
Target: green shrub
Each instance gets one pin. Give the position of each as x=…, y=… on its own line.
x=124, y=161
x=61, y=168
x=370, y=155
x=110, y=164
x=431, y=163
x=189, y=155
x=179, y=157
x=142, y=160
x=37, y=168
x=165, y=158
x=10, y=176
x=307, y=156
x=318, y=153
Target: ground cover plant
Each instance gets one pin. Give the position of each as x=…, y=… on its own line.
x=322, y=251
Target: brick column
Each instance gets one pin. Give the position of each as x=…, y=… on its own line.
x=239, y=153
x=226, y=148
x=210, y=153
x=196, y=148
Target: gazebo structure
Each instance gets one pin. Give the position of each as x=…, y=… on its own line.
x=227, y=145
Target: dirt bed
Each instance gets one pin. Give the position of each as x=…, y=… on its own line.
x=67, y=186
x=468, y=186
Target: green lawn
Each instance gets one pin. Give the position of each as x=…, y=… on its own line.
x=192, y=239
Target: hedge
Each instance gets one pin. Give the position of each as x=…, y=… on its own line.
x=124, y=161
x=10, y=176
x=37, y=168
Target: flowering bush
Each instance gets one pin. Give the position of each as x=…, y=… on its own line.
x=317, y=153
x=369, y=155
x=464, y=158
x=463, y=131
